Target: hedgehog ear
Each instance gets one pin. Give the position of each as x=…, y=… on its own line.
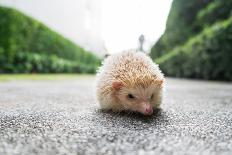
x=117, y=85
x=159, y=82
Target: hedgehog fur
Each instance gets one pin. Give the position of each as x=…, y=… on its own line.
x=129, y=73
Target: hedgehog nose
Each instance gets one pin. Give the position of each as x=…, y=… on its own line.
x=149, y=110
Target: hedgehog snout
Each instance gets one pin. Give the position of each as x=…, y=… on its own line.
x=145, y=108
x=149, y=110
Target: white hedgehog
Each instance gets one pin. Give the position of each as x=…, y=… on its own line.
x=129, y=81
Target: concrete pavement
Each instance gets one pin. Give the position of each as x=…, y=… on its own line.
x=61, y=117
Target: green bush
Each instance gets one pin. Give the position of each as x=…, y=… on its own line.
x=215, y=11
x=180, y=25
x=20, y=33
x=187, y=19
x=159, y=49
x=27, y=62
x=207, y=55
x=197, y=40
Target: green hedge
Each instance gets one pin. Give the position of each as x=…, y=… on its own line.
x=159, y=49
x=27, y=62
x=207, y=55
x=20, y=33
x=197, y=40
x=216, y=11
x=180, y=24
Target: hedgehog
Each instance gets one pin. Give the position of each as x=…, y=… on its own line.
x=129, y=81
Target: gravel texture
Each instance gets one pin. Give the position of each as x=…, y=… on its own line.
x=62, y=117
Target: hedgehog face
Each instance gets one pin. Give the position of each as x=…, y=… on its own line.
x=138, y=98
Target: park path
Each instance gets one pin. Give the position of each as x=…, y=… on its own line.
x=62, y=117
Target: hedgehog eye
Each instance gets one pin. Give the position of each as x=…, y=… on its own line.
x=130, y=96
x=152, y=96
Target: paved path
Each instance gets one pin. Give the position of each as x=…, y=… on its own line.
x=61, y=117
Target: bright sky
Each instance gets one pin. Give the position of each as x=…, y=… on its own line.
x=118, y=22
x=124, y=20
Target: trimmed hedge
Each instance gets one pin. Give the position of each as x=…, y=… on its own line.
x=27, y=62
x=159, y=49
x=186, y=19
x=207, y=55
x=20, y=33
x=197, y=40
x=216, y=11
x=180, y=25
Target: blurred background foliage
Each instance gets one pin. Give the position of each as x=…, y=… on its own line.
x=197, y=42
x=28, y=46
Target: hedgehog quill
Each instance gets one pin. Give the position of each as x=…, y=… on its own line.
x=129, y=81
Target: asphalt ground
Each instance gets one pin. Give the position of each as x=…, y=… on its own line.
x=62, y=117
